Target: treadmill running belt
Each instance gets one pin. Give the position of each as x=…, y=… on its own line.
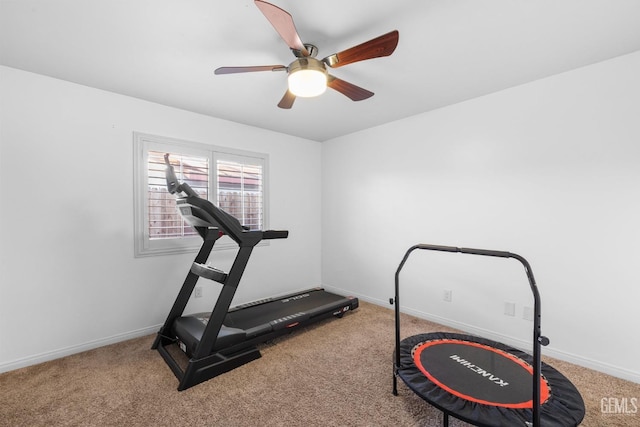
x=305, y=302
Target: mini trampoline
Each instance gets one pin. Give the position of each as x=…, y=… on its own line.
x=483, y=382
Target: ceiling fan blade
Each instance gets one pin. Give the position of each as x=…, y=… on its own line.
x=374, y=48
x=287, y=100
x=349, y=90
x=233, y=70
x=283, y=24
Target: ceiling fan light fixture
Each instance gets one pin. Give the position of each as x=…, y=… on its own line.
x=307, y=77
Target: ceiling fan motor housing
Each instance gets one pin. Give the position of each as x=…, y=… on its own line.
x=307, y=63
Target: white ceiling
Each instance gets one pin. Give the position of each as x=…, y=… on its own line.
x=165, y=51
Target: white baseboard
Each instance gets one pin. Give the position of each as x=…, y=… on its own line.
x=596, y=365
x=68, y=351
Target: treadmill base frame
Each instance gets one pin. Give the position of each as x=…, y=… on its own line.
x=203, y=369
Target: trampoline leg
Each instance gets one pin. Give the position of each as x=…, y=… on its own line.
x=445, y=419
x=395, y=383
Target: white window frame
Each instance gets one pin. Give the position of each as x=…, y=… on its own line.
x=143, y=143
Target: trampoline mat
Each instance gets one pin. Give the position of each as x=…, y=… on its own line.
x=484, y=382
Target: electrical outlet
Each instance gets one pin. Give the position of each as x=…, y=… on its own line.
x=509, y=308
x=446, y=295
x=197, y=292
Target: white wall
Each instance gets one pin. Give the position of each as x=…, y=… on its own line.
x=69, y=278
x=549, y=170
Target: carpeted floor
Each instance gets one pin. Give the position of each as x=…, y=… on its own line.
x=336, y=373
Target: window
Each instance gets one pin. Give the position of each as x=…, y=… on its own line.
x=240, y=190
x=235, y=179
x=164, y=221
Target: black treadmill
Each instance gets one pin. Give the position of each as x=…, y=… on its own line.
x=226, y=338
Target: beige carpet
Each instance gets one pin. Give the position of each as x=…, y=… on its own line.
x=336, y=373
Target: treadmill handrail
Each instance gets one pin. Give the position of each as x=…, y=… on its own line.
x=275, y=234
x=538, y=339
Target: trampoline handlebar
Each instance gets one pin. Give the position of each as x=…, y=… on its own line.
x=486, y=252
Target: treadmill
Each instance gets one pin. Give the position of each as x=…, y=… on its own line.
x=226, y=338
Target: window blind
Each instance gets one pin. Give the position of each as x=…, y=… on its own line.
x=164, y=220
x=240, y=190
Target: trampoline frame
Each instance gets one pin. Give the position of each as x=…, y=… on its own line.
x=538, y=339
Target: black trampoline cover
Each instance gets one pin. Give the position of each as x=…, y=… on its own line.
x=484, y=382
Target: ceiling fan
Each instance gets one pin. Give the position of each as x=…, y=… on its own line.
x=308, y=76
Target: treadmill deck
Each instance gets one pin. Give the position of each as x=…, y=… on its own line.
x=264, y=318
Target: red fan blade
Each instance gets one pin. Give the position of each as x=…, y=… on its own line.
x=287, y=100
x=283, y=24
x=349, y=90
x=233, y=70
x=375, y=48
